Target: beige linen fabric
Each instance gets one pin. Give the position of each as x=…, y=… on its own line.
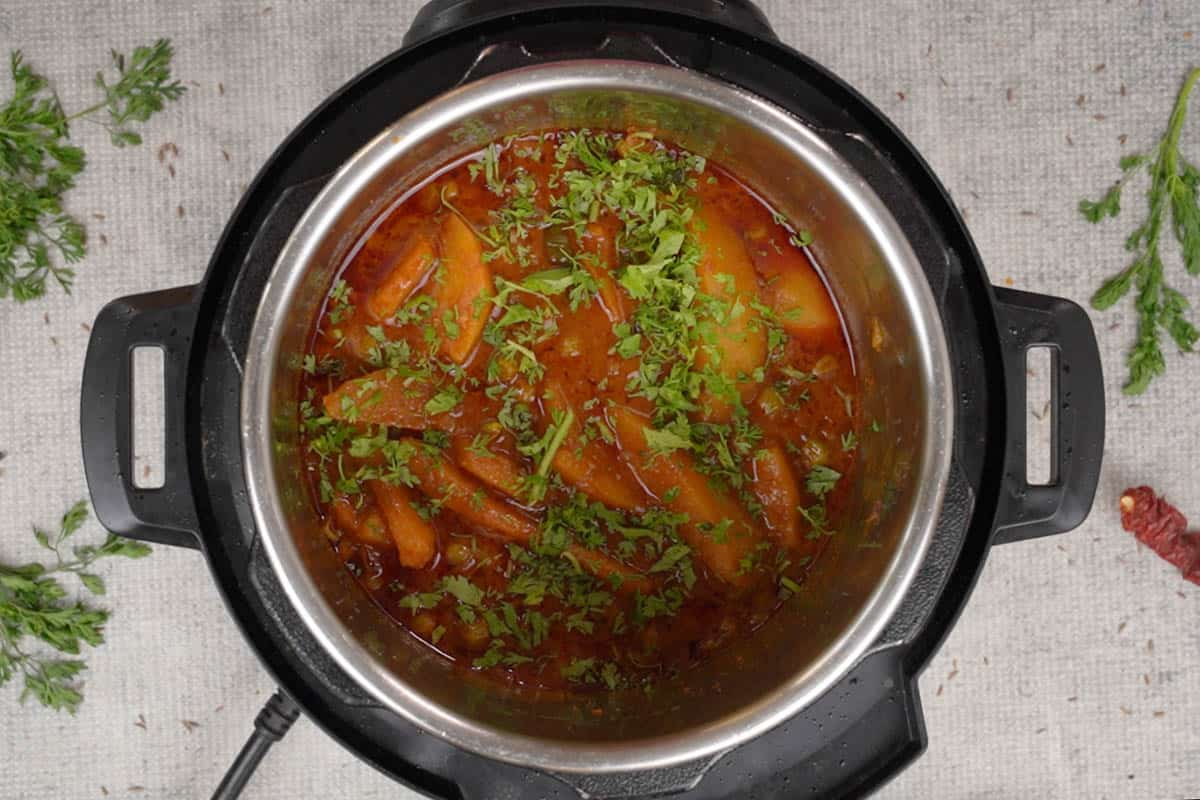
x=1074, y=671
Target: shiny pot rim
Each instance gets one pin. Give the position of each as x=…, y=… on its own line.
x=348, y=183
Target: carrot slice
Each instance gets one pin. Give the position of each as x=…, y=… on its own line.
x=385, y=398
x=495, y=469
x=592, y=467
x=411, y=268
x=415, y=539
x=462, y=291
x=776, y=489
x=466, y=497
x=462, y=494
x=739, y=344
x=719, y=529
x=607, y=570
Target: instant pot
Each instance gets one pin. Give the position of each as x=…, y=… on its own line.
x=823, y=701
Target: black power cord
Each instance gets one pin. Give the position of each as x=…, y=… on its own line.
x=271, y=724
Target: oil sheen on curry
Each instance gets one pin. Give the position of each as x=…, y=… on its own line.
x=579, y=411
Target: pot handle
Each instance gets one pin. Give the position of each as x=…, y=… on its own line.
x=437, y=17
x=164, y=320
x=1077, y=407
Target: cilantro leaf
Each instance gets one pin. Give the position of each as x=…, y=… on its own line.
x=673, y=555
x=578, y=669
x=822, y=480
x=665, y=441
x=462, y=589
x=446, y=399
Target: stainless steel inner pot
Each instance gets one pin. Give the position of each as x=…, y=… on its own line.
x=901, y=357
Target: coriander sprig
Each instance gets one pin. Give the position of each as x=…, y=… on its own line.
x=38, y=239
x=142, y=88
x=1174, y=186
x=34, y=606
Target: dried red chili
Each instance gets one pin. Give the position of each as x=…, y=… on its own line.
x=1161, y=527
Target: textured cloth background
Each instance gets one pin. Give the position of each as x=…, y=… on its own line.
x=1073, y=672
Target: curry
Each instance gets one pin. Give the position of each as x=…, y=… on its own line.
x=579, y=410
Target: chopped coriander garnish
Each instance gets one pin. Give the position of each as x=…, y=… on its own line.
x=339, y=302
x=462, y=588
x=798, y=375
x=578, y=669
x=672, y=556
x=822, y=480
x=815, y=516
x=801, y=238
x=420, y=600
x=661, y=442
x=447, y=399
x=450, y=323
x=544, y=449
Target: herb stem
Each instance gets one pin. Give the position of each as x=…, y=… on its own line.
x=1175, y=127
x=483, y=237
x=86, y=112
x=560, y=436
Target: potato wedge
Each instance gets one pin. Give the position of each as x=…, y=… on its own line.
x=739, y=343
x=598, y=241
x=384, y=398
x=800, y=299
x=594, y=467
x=776, y=488
x=462, y=290
x=720, y=529
x=410, y=269
x=794, y=290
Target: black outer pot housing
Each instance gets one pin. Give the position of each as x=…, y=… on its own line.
x=864, y=730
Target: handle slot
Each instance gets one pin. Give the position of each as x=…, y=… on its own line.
x=149, y=417
x=1041, y=460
